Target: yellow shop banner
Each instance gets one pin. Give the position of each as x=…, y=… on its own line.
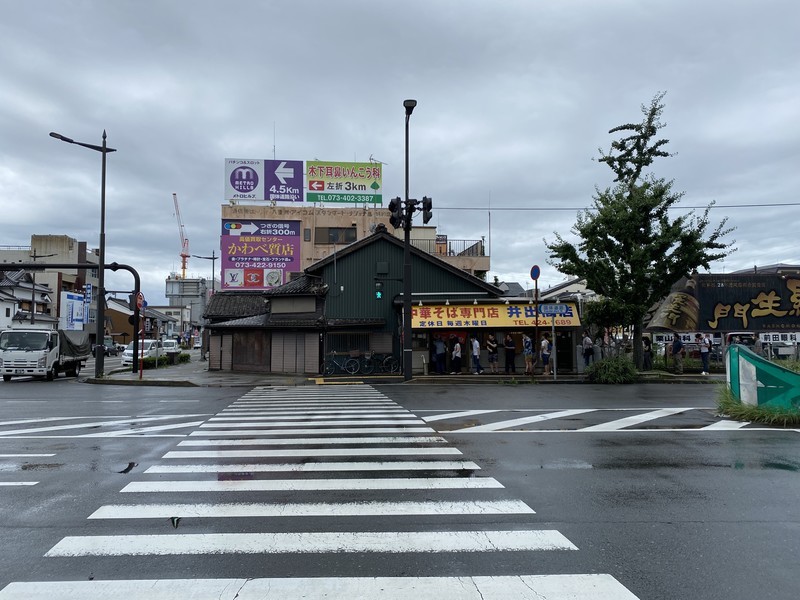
x=491, y=316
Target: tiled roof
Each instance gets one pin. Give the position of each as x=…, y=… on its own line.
x=303, y=285
x=236, y=305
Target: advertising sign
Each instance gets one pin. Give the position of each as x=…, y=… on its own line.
x=244, y=179
x=755, y=302
x=344, y=182
x=283, y=180
x=479, y=316
x=258, y=255
x=71, y=311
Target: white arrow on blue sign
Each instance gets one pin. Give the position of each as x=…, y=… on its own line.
x=552, y=309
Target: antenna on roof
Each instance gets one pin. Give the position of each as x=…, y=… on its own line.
x=375, y=160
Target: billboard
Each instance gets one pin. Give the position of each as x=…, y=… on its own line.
x=344, y=182
x=264, y=180
x=258, y=255
x=71, y=314
x=732, y=302
x=480, y=316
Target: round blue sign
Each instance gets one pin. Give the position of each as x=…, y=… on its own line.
x=535, y=272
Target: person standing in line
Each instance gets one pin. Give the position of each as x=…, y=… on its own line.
x=527, y=352
x=456, y=357
x=491, y=349
x=677, y=354
x=439, y=352
x=588, y=348
x=511, y=349
x=705, y=351
x=647, y=362
x=546, y=348
x=476, y=355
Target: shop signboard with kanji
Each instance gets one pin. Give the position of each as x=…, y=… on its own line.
x=344, y=182
x=258, y=255
x=499, y=316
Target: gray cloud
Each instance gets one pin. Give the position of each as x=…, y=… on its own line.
x=514, y=100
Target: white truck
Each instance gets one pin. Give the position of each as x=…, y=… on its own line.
x=27, y=350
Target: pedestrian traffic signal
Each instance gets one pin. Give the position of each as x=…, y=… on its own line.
x=379, y=290
x=427, y=206
x=396, y=210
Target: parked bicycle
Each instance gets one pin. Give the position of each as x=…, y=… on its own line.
x=343, y=363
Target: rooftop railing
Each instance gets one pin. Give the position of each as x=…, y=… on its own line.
x=451, y=247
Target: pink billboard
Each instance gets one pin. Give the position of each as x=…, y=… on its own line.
x=258, y=255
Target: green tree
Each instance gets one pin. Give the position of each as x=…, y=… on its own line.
x=630, y=250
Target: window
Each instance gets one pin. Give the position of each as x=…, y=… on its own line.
x=306, y=234
x=334, y=235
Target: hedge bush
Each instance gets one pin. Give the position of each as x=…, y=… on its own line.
x=149, y=362
x=617, y=369
x=729, y=406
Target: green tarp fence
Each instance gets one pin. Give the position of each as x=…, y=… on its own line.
x=756, y=381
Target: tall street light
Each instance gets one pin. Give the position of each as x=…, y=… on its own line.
x=101, y=295
x=407, y=350
x=213, y=258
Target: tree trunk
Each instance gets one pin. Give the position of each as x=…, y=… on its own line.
x=638, y=349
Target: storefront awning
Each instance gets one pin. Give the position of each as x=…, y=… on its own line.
x=489, y=316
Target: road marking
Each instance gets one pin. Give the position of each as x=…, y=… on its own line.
x=595, y=586
x=138, y=430
x=295, y=485
x=342, y=431
x=523, y=421
x=309, y=467
x=24, y=455
x=96, y=424
x=726, y=425
x=457, y=415
x=17, y=483
x=318, y=423
x=314, y=542
x=319, y=441
x=314, y=452
x=316, y=411
x=345, y=509
x=313, y=416
x=634, y=420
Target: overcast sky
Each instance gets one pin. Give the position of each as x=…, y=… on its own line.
x=515, y=98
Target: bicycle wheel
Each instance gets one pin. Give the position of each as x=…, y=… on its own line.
x=351, y=366
x=328, y=368
x=368, y=366
x=390, y=364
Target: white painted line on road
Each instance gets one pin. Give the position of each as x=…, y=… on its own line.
x=319, y=441
x=313, y=452
x=51, y=419
x=457, y=415
x=394, y=542
x=634, y=420
x=139, y=430
x=306, y=411
x=17, y=483
x=726, y=425
x=303, y=485
x=97, y=424
x=345, y=509
x=523, y=421
x=258, y=420
x=24, y=455
x=312, y=416
x=316, y=467
x=504, y=587
x=261, y=432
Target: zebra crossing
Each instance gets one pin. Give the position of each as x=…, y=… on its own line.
x=298, y=472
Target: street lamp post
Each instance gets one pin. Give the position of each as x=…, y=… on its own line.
x=213, y=258
x=101, y=296
x=407, y=349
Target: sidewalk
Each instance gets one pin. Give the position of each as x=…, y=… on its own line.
x=196, y=373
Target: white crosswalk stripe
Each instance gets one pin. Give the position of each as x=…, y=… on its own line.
x=233, y=455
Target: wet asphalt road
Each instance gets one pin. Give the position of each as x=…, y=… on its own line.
x=670, y=510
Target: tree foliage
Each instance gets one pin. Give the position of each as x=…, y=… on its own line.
x=631, y=250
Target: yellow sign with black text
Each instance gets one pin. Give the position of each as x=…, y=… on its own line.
x=492, y=316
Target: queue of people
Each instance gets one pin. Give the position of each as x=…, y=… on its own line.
x=448, y=354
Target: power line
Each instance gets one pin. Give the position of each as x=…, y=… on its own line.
x=499, y=208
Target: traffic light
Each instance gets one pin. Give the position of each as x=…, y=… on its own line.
x=427, y=206
x=396, y=208
x=132, y=302
x=379, y=290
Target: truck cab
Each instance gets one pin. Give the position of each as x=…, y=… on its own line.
x=31, y=351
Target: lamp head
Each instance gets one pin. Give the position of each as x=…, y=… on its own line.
x=409, y=104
